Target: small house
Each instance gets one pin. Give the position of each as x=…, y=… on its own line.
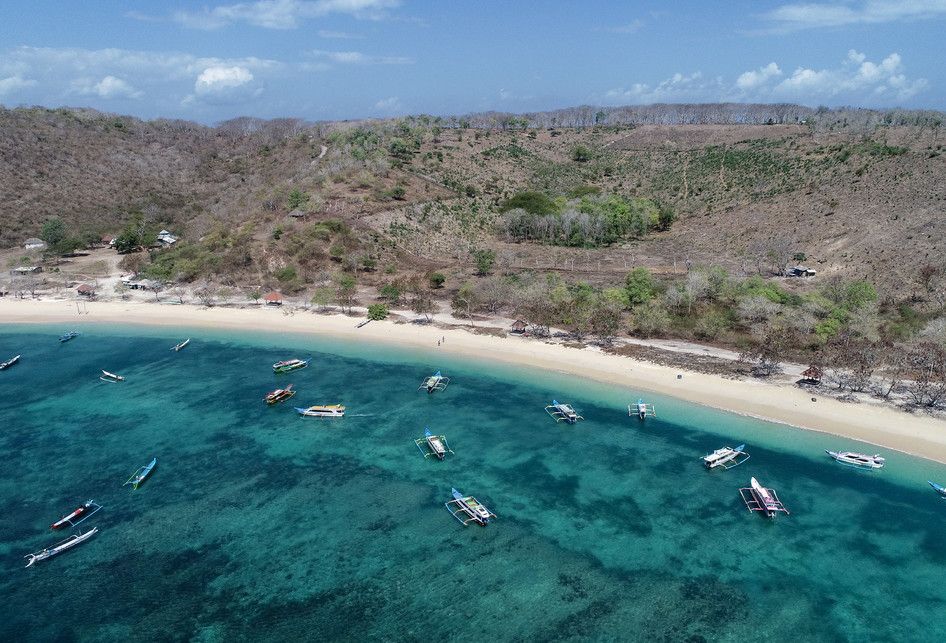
x=22, y=271
x=518, y=327
x=812, y=375
x=298, y=214
x=86, y=290
x=801, y=271
x=166, y=238
x=34, y=244
x=108, y=240
x=273, y=299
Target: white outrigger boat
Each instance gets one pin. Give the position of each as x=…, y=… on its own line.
x=10, y=362
x=473, y=509
x=562, y=412
x=727, y=457
x=111, y=377
x=758, y=498
x=323, y=411
x=435, y=382
x=858, y=460
x=178, y=347
x=436, y=445
x=58, y=548
x=642, y=410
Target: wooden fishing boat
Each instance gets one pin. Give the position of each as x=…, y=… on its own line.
x=178, y=347
x=323, y=410
x=758, y=498
x=111, y=377
x=562, y=412
x=727, y=457
x=858, y=460
x=10, y=362
x=70, y=335
x=642, y=410
x=940, y=489
x=436, y=445
x=290, y=365
x=78, y=515
x=58, y=548
x=435, y=382
x=279, y=395
x=140, y=474
x=468, y=509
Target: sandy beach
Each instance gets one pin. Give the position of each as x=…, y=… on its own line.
x=886, y=427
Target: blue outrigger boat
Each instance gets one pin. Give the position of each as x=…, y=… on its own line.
x=72, y=334
x=468, y=506
x=140, y=474
x=436, y=445
x=938, y=488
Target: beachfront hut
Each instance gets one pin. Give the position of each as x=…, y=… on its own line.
x=273, y=299
x=34, y=244
x=812, y=375
x=518, y=327
x=86, y=290
x=166, y=238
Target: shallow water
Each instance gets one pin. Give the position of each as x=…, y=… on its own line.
x=261, y=525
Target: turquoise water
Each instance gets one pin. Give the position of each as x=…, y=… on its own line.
x=260, y=525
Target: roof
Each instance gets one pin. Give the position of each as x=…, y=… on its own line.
x=298, y=213
x=519, y=324
x=272, y=296
x=33, y=240
x=85, y=288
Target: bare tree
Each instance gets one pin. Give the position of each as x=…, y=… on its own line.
x=179, y=291
x=927, y=366
x=764, y=357
x=207, y=295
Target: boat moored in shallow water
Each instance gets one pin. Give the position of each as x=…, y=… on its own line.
x=470, y=507
x=58, y=548
x=10, y=362
x=290, y=365
x=858, y=460
x=279, y=395
x=642, y=410
x=178, y=347
x=436, y=445
x=761, y=499
x=726, y=457
x=78, y=515
x=562, y=412
x=938, y=488
x=323, y=410
x=141, y=474
x=111, y=377
x=435, y=382
x=72, y=334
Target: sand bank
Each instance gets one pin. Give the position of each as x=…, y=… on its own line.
x=884, y=426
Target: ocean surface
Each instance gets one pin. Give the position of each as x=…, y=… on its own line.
x=261, y=525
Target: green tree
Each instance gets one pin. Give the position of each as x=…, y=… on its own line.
x=581, y=154
x=401, y=151
x=437, y=280
x=127, y=241
x=54, y=231
x=484, y=261
x=390, y=292
x=377, y=312
x=322, y=297
x=640, y=286
x=297, y=199
x=345, y=288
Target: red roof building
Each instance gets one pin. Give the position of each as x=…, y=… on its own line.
x=273, y=299
x=85, y=289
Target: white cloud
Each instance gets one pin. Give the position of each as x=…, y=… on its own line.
x=388, y=105
x=338, y=35
x=678, y=88
x=856, y=76
x=752, y=79
x=280, y=14
x=219, y=79
x=107, y=88
x=837, y=14
x=632, y=27
x=14, y=83
x=359, y=58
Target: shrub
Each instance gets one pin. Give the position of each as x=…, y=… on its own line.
x=484, y=261
x=581, y=154
x=377, y=312
x=297, y=199
x=437, y=280
x=639, y=286
x=532, y=202
x=286, y=273
x=650, y=319
x=390, y=292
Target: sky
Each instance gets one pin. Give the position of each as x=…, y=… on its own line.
x=346, y=59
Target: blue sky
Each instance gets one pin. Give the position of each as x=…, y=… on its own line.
x=335, y=59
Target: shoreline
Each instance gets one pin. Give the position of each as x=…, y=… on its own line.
x=886, y=427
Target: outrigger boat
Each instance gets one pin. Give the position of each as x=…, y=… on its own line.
x=111, y=377
x=323, y=410
x=727, y=457
x=562, y=412
x=290, y=365
x=81, y=513
x=279, y=395
x=140, y=474
x=642, y=410
x=436, y=445
x=10, y=362
x=178, y=347
x=58, y=548
x=938, y=488
x=758, y=498
x=468, y=506
x=72, y=334
x=435, y=382
x=858, y=460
